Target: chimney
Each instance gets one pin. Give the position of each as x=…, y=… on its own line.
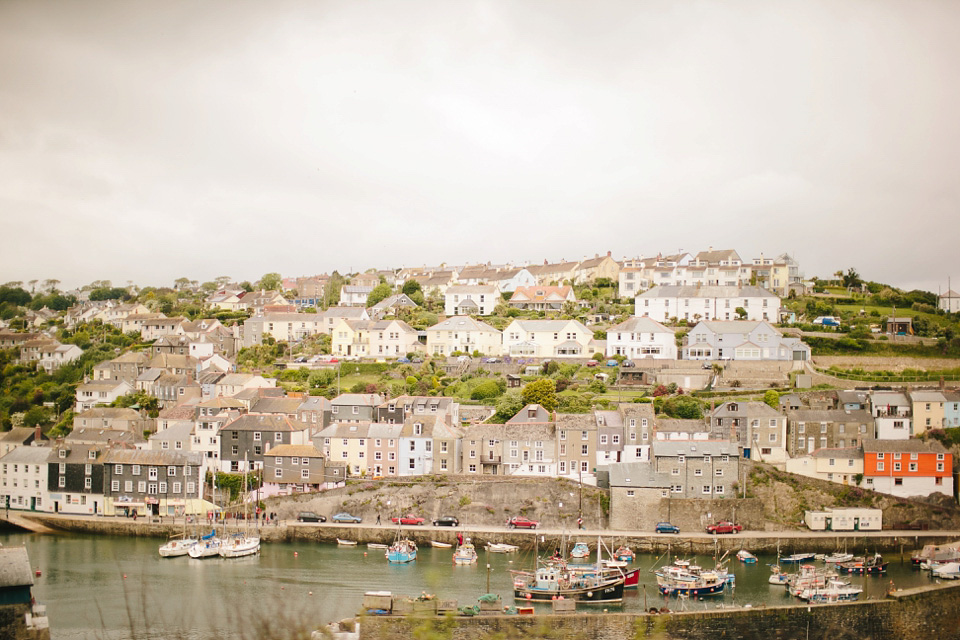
x=609, y=254
x=38, y=434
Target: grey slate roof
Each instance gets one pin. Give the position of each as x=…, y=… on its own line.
x=15, y=567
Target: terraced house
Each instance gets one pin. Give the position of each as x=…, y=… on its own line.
x=245, y=441
x=812, y=429
x=160, y=483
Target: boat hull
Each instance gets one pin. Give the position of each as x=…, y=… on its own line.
x=607, y=592
x=177, y=548
x=201, y=551
x=401, y=557
x=684, y=590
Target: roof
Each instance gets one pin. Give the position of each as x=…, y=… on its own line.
x=346, y=430
x=462, y=323
x=29, y=455
x=638, y=324
x=543, y=294
x=678, y=425
x=884, y=398
x=152, y=457
x=102, y=436
x=829, y=415
x=751, y=408
x=903, y=446
x=182, y=412
x=15, y=568
x=277, y=405
x=840, y=452
x=637, y=474
x=852, y=397
x=265, y=422
x=18, y=434
x=472, y=288
x=182, y=431
x=295, y=450
x=582, y=421
x=357, y=399
x=551, y=325
x=734, y=326
x=677, y=291
x=927, y=396
x=694, y=448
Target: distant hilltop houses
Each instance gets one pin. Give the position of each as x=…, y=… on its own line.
x=178, y=394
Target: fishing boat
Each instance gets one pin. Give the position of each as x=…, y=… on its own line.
x=403, y=550
x=624, y=554
x=864, y=566
x=777, y=576
x=947, y=570
x=746, y=557
x=374, y=545
x=347, y=543
x=176, y=547
x=797, y=558
x=239, y=545
x=207, y=547
x=440, y=545
x=809, y=577
x=465, y=553
x=937, y=552
x=580, y=551
x=680, y=581
x=556, y=581
x=834, y=591
x=497, y=547
x=837, y=558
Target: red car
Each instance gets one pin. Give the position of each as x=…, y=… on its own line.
x=408, y=519
x=523, y=523
x=724, y=527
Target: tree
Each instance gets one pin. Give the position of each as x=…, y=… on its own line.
x=378, y=293
x=14, y=295
x=851, y=278
x=181, y=283
x=270, y=282
x=683, y=407
x=508, y=406
x=410, y=287
x=740, y=311
x=331, y=293
x=109, y=293
x=772, y=398
x=542, y=392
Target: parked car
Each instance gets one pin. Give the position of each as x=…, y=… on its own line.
x=310, y=516
x=612, y=363
x=707, y=365
x=446, y=521
x=627, y=364
x=666, y=527
x=522, y=523
x=403, y=360
x=724, y=527
x=343, y=516
x=408, y=519
x=416, y=360
x=591, y=363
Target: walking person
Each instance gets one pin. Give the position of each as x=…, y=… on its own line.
x=378, y=517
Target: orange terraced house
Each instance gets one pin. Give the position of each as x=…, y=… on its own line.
x=907, y=468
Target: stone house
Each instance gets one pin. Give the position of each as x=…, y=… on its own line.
x=698, y=469
x=147, y=482
x=812, y=429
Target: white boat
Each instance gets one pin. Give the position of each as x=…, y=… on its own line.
x=834, y=591
x=948, y=570
x=177, y=547
x=494, y=547
x=348, y=543
x=580, y=550
x=440, y=545
x=239, y=546
x=465, y=553
x=207, y=547
x=375, y=545
x=837, y=558
x=777, y=576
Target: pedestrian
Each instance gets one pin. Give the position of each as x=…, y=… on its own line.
x=460, y=538
x=579, y=523
x=378, y=517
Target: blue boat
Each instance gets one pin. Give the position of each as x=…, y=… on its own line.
x=797, y=558
x=580, y=551
x=402, y=551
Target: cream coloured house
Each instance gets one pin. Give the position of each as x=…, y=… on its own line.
x=839, y=465
x=479, y=299
x=547, y=339
x=386, y=338
x=463, y=333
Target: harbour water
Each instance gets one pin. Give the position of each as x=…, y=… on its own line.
x=115, y=587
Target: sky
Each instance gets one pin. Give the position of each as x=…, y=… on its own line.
x=147, y=141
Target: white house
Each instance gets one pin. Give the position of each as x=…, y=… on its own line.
x=950, y=301
x=91, y=394
x=463, y=333
x=707, y=303
x=355, y=295
x=471, y=300
x=741, y=340
x=547, y=339
x=641, y=338
x=892, y=415
x=23, y=479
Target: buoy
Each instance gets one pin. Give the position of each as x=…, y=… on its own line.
x=310, y=593
x=364, y=554
x=282, y=588
x=39, y=572
x=124, y=576
x=295, y=554
x=528, y=595
x=554, y=598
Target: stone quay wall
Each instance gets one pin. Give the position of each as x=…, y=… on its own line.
x=924, y=613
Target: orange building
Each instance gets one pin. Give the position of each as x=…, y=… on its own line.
x=907, y=467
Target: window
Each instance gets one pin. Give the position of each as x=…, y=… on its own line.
x=603, y=439
x=278, y=437
x=62, y=482
x=257, y=436
x=163, y=487
x=913, y=466
x=472, y=468
x=87, y=469
x=171, y=472
x=583, y=466
x=697, y=473
x=563, y=435
x=115, y=486
x=583, y=435
x=718, y=489
x=278, y=473
x=879, y=466
x=939, y=466
x=718, y=473
x=630, y=493
x=584, y=450
x=681, y=459
x=706, y=488
x=305, y=474
x=142, y=486
x=128, y=486
x=136, y=470
x=118, y=469
x=896, y=466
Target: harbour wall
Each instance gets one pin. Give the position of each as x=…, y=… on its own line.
x=900, y=544
x=924, y=612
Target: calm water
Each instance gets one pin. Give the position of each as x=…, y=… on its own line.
x=121, y=588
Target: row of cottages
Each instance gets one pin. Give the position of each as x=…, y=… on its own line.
x=901, y=415
x=293, y=327
x=708, y=303
x=542, y=298
x=419, y=445
x=780, y=275
x=548, y=338
x=48, y=354
x=741, y=340
x=366, y=338
x=471, y=299
x=254, y=302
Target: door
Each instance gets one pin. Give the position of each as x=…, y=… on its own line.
x=33, y=504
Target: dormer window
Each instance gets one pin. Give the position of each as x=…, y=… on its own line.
x=93, y=454
x=63, y=453
x=417, y=429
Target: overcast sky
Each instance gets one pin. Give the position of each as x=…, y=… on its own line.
x=147, y=141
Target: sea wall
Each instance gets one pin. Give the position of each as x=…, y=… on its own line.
x=925, y=613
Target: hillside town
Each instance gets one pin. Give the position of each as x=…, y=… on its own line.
x=652, y=378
